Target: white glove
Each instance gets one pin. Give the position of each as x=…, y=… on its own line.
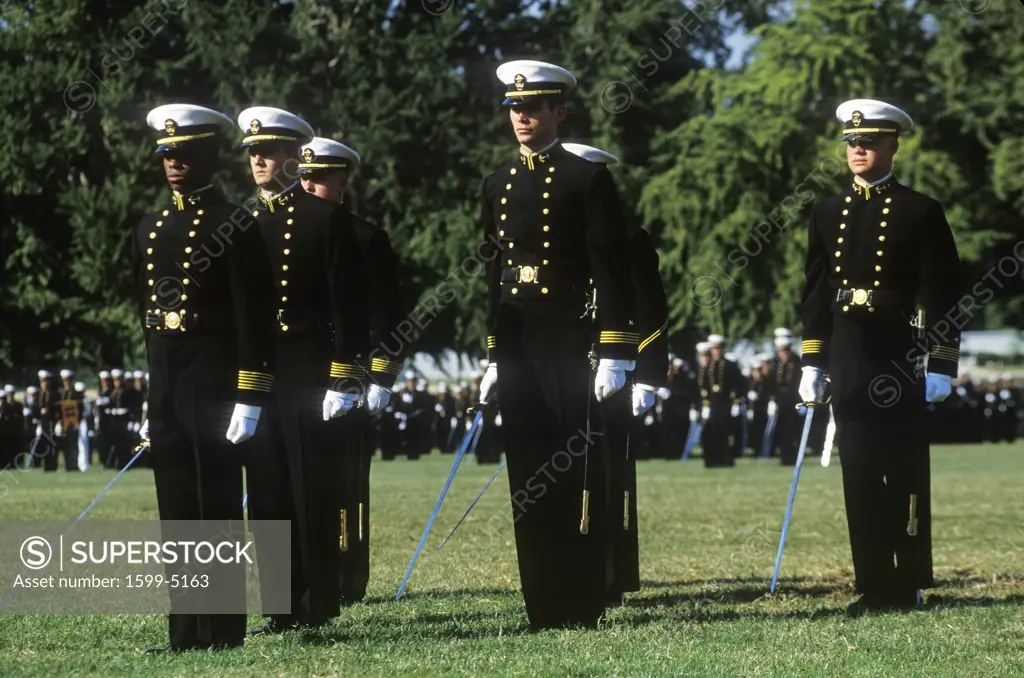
x=735, y=411
x=105, y=400
x=439, y=408
x=497, y=419
x=936, y=387
x=643, y=398
x=243, y=423
x=489, y=383
x=377, y=398
x=144, y=430
x=339, y=404
x=664, y=393
x=649, y=420
x=752, y=396
x=406, y=398
x=812, y=386
x=58, y=430
x=989, y=397
x=773, y=408
x=705, y=412
x=39, y=430
x=611, y=376
x=693, y=415
x=750, y=414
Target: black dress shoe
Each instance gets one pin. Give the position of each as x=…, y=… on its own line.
x=905, y=600
x=866, y=603
x=274, y=627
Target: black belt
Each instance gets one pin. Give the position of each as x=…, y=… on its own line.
x=883, y=299
x=299, y=320
x=178, y=322
x=543, y=275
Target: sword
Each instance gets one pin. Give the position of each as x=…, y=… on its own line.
x=437, y=507
x=830, y=434
x=808, y=418
x=493, y=477
x=696, y=431
x=769, y=436
x=744, y=432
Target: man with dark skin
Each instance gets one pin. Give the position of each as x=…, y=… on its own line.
x=206, y=310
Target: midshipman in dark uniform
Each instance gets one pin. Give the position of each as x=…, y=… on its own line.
x=207, y=315
x=323, y=333
x=721, y=387
x=873, y=251
x=554, y=233
x=325, y=169
x=782, y=381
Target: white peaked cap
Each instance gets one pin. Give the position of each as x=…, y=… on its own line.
x=45, y=374
x=870, y=116
x=80, y=386
x=716, y=340
x=138, y=374
x=324, y=154
x=181, y=123
x=32, y=389
x=409, y=374
x=703, y=346
x=783, y=332
x=66, y=374
x=116, y=373
x=677, y=362
x=525, y=79
x=592, y=154
x=783, y=342
x=264, y=123
x=104, y=374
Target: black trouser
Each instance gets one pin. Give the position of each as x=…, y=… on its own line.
x=715, y=437
x=788, y=428
x=198, y=473
x=545, y=392
x=884, y=463
x=354, y=565
x=294, y=473
x=622, y=442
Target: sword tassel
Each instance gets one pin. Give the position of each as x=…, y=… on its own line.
x=585, y=522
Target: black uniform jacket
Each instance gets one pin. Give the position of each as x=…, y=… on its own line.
x=201, y=270
x=875, y=254
x=553, y=231
x=651, y=311
x=319, y=276
x=385, y=302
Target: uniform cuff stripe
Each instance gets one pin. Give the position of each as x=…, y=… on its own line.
x=609, y=337
x=812, y=346
x=392, y=367
x=255, y=381
x=655, y=335
x=492, y=342
x=340, y=370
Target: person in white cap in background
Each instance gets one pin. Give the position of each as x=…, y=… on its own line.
x=552, y=228
x=1009, y=396
x=102, y=421
x=47, y=429
x=722, y=388
x=66, y=429
x=880, y=253
x=782, y=383
x=676, y=401
x=206, y=308
x=322, y=305
x=82, y=430
x=11, y=430
x=325, y=170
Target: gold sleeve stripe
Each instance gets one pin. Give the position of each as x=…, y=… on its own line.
x=392, y=367
x=341, y=370
x=812, y=346
x=255, y=381
x=609, y=337
x=492, y=342
x=655, y=335
x=945, y=353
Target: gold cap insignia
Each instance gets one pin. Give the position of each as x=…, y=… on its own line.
x=520, y=81
x=170, y=126
x=254, y=126
x=307, y=154
x=856, y=118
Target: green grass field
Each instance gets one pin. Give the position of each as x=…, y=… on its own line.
x=708, y=541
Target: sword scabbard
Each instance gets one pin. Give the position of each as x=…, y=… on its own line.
x=360, y=521
x=343, y=539
x=585, y=522
x=912, y=523
x=625, y=510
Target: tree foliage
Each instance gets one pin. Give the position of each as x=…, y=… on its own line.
x=721, y=164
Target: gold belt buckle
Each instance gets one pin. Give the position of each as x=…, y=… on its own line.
x=173, y=320
x=527, y=274
x=861, y=298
